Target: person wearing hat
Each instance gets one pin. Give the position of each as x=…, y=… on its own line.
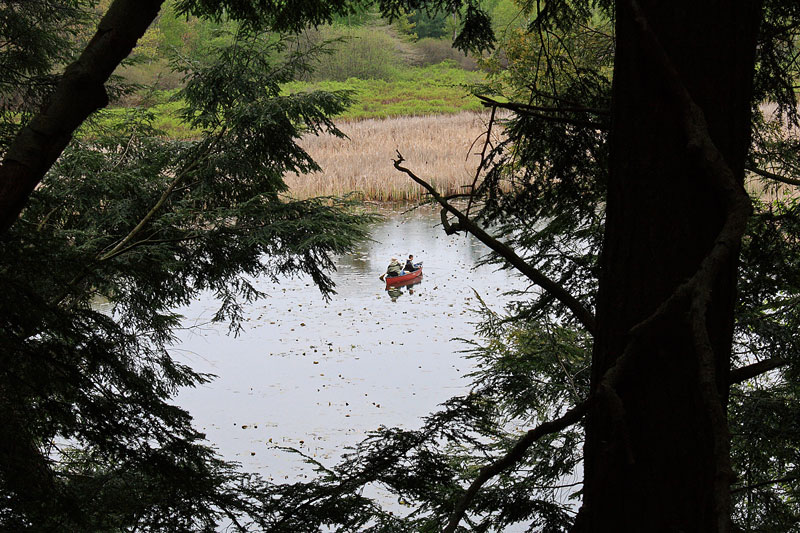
x=394, y=269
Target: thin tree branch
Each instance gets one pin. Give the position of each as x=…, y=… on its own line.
x=515, y=106
x=773, y=176
x=193, y=164
x=531, y=111
x=482, y=161
x=516, y=453
x=584, y=316
x=754, y=486
x=744, y=373
x=149, y=241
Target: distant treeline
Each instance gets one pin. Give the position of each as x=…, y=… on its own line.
x=362, y=45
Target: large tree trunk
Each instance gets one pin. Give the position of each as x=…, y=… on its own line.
x=652, y=467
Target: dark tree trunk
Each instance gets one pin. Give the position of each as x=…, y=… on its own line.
x=655, y=470
x=80, y=92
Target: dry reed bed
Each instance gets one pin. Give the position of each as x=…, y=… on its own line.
x=444, y=150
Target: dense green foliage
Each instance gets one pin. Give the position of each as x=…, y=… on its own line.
x=361, y=44
x=437, y=89
x=364, y=52
x=31, y=46
x=144, y=224
x=427, y=25
x=391, y=72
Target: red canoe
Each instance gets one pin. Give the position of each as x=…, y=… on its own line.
x=401, y=280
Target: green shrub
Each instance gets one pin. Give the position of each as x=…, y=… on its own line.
x=365, y=52
x=434, y=51
x=155, y=74
x=428, y=25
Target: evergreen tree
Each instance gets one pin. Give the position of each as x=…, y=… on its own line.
x=90, y=440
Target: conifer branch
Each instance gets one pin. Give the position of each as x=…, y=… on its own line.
x=747, y=488
x=584, y=316
x=515, y=455
x=744, y=373
x=520, y=107
x=191, y=166
x=773, y=176
x=22, y=464
x=78, y=94
x=549, y=113
x=605, y=391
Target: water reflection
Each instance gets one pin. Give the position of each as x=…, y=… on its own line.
x=411, y=286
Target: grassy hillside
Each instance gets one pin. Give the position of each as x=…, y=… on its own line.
x=390, y=71
x=414, y=91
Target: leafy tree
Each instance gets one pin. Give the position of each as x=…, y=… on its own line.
x=148, y=223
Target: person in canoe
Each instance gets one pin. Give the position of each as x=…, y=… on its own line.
x=394, y=269
x=410, y=267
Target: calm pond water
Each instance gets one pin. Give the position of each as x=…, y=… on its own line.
x=317, y=375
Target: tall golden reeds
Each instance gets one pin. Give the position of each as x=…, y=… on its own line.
x=442, y=149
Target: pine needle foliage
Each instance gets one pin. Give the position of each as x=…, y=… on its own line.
x=36, y=34
x=146, y=224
